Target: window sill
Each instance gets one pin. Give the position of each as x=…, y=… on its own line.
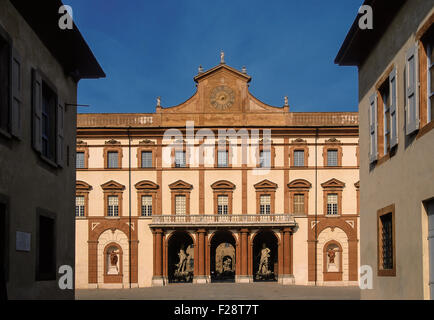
x=145, y=217
x=112, y=218
x=425, y=129
x=333, y=215
x=387, y=273
x=5, y=134
x=81, y=218
x=49, y=161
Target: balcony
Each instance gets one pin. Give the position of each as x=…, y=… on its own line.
x=230, y=220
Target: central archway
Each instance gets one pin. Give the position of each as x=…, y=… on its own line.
x=180, y=256
x=265, y=256
x=222, y=257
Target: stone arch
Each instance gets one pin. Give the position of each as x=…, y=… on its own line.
x=259, y=239
x=107, y=239
x=338, y=237
x=175, y=243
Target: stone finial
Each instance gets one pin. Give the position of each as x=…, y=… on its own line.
x=158, y=101
x=286, y=104
x=222, y=57
x=244, y=70
x=200, y=69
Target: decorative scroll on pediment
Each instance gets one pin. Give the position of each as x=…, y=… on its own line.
x=81, y=185
x=333, y=183
x=146, y=185
x=299, y=184
x=112, y=185
x=180, y=185
x=112, y=141
x=146, y=142
x=299, y=140
x=333, y=140
x=357, y=184
x=265, y=184
x=223, y=185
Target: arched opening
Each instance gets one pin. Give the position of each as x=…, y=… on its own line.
x=180, y=256
x=265, y=256
x=222, y=257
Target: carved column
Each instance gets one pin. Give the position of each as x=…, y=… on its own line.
x=157, y=279
x=244, y=275
x=201, y=277
x=287, y=276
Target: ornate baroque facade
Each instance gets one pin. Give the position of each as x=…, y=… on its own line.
x=285, y=208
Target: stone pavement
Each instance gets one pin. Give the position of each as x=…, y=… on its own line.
x=223, y=291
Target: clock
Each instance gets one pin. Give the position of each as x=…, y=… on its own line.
x=222, y=97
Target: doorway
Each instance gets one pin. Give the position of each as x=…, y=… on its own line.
x=265, y=256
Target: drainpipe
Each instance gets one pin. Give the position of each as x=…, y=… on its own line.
x=129, y=201
x=316, y=204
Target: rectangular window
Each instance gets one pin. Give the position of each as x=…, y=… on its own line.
x=46, y=248
x=180, y=159
x=298, y=203
x=112, y=159
x=113, y=206
x=265, y=204
x=79, y=160
x=299, y=158
x=222, y=204
x=386, y=241
x=146, y=206
x=265, y=159
x=332, y=204
x=146, y=159
x=49, y=103
x=222, y=159
x=332, y=158
x=79, y=206
x=180, y=205
x=5, y=57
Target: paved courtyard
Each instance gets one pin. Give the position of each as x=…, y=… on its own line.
x=223, y=291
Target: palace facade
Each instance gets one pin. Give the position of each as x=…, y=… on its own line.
x=222, y=187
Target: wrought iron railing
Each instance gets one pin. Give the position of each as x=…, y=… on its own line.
x=229, y=219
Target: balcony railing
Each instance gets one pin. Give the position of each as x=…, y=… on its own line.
x=224, y=220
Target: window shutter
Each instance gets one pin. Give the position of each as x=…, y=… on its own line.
x=393, y=114
x=412, y=81
x=16, y=95
x=60, y=160
x=37, y=110
x=373, y=128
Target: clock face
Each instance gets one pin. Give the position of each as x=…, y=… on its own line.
x=222, y=97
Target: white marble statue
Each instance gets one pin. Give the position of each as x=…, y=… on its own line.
x=182, y=261
x=263, y=262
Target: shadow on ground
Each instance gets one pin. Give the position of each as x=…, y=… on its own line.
x=223, y=291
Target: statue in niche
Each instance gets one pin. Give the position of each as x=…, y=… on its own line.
x=227, y=265
x=331, y=254
x=263, y=262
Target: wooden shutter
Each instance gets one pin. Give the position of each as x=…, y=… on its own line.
x=412, y=81
x=16, y=95
x=393, y=114
x=373, y=128
x=60, y=159
x=37, y=110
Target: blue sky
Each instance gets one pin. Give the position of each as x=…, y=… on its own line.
x=153, y=48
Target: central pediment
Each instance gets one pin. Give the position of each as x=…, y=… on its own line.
x=222, y=96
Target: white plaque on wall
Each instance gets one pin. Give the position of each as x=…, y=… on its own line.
x=23, y=241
